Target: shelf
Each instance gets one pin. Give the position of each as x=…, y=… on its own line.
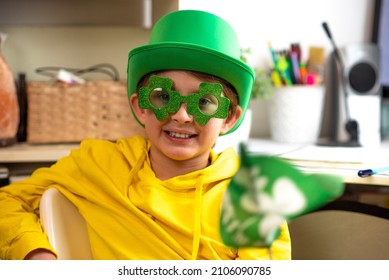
x=142, y=13
x=23, y=153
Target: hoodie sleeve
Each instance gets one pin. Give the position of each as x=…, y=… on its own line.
x=89, y=171
x=20, y=229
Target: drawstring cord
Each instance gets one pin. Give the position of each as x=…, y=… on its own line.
x=197, y=219
x=270, y=253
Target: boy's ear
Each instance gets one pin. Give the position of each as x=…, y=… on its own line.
x=231, y=120
x=139, y=112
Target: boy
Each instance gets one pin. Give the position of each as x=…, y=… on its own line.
x=160, y=197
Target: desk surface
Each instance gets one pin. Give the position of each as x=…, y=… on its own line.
x=344, y=162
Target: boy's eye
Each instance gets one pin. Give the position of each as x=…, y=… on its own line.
x=159, y=98
x=208, y=104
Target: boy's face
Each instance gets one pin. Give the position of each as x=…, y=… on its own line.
x=179, y=136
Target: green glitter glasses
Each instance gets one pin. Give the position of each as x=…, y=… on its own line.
x=208, y=103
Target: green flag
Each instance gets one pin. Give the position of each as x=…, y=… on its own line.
x=265, y=192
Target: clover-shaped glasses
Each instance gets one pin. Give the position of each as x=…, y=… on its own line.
x=208, y=103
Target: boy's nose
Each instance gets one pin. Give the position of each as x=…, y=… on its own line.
x=182, y=116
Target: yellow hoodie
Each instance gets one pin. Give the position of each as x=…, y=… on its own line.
x=130, y=213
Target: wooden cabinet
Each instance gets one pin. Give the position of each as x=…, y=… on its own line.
x=84, y=12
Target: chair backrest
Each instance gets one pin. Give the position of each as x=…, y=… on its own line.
x=342, y=230
x=65, y=227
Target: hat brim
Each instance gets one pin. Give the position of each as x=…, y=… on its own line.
x=183, y=56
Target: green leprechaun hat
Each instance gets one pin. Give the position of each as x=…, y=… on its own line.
x=196, y=41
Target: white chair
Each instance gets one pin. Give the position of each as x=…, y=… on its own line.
x=343, y=230
x=65, y=227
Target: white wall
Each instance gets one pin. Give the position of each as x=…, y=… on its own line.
x=287, y=21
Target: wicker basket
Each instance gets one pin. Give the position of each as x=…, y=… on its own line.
x=61, y=113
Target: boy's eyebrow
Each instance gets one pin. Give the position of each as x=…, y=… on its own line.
x=197, y=90
x=174, y=86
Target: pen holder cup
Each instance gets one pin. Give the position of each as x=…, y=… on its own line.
x=295, y=114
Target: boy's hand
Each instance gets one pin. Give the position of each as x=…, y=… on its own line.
x=40, y=254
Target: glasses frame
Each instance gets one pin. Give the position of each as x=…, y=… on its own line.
x=191, y=100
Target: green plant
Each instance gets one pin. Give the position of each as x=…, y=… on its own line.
x=263, y=87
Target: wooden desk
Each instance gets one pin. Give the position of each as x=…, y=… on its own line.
x=344, y=162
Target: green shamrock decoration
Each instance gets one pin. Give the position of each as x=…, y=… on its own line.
x=208, y=103
x=265, y=192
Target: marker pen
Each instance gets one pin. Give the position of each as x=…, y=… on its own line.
x=370, y=172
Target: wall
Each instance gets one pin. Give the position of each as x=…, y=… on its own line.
x=30, y=47
x=76, y=34
x=283, y=22
x=286, y=21
x=256, y=21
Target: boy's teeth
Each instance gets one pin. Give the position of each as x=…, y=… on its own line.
x=179, y=135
